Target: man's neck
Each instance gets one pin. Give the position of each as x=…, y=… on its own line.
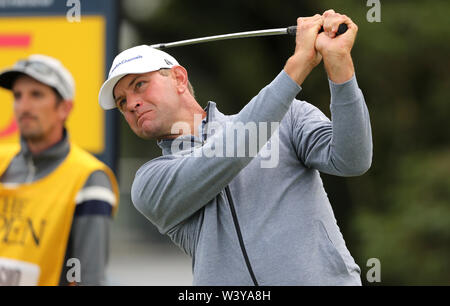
x=191, y=116
x=193, y=124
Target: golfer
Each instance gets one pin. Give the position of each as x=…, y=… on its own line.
x=244, y=219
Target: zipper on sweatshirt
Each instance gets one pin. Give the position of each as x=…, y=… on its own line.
x=204, y=136
x=239, y=234
x=31, y=170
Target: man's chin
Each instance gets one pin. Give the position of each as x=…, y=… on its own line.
x=31, y=135
x=145, y=135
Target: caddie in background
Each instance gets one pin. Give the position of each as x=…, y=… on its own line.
x=56, y=200
x=242, y=223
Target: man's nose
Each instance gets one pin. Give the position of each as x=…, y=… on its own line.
x=134, y=102
x=22, y=103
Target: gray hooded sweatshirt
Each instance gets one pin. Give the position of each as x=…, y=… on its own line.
x=251, y=211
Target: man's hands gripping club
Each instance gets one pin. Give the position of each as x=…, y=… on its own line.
x=311, y=47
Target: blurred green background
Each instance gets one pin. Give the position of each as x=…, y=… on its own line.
x=399, y=211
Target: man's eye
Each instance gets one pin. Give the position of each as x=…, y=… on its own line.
x=139, y=84
x=122, y=104
x=37, y=94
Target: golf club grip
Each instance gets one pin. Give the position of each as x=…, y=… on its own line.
x=341, y=30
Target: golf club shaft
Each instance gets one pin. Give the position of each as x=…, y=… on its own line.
x=292, y=30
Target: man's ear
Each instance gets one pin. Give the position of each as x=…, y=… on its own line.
x=64, y=109
x=181, y=77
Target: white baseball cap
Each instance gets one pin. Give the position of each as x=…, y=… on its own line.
x=44, y=69
x=136, y=60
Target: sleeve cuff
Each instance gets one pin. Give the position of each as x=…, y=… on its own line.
x=342, y=93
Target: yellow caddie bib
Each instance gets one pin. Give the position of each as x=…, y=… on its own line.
x=36, y=218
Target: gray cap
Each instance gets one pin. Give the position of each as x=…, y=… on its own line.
x=44, y=69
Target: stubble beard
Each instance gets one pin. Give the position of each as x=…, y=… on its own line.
x=32, y=133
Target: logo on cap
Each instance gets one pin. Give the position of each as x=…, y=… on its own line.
x=124, y=62
x=168, y=62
